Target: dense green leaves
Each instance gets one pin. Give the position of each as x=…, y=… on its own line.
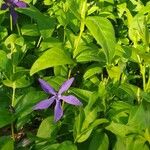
x=105, y=46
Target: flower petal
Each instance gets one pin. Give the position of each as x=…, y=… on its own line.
x=4, y=6
x=21, y=4
x=58, y=112
x=46, y=87
x=71, y=100
x=65, y=86
x=44, y=104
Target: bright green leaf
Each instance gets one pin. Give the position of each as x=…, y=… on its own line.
x=47, y=128
x=102, y=30
x=50, y=58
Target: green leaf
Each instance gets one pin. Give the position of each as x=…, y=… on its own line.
x=3, y=32
x=120, y=144
x=24, y=105
x=139, y=116
x=6, y=143
x=128, y=90
x=47, y=146
x=6, y=117
x=3, y=60
x=50, y=42
x=81, y=93
x=22, y=82
x=55, y=81
x=101, y=29
x=88, y=54
x=115, y=72
x=138, y=143
x=94, y=97
x=92, y=70
x=50, y=58
x=3, y=11
x=45, y=23
x=99, y=141
x=138, y=27
x=120, y=129
x=97, y=122
x=67, y=145
x=47, y=128
x=48, y=2
x=13, y=40
x=146, y=96
x=90, y=116
x=61, y=71
x=30, y=30
x=78, y=123
x=83, y=137
x=84, y=134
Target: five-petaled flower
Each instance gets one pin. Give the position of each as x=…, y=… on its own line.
x=57, y=97
x=11, y=4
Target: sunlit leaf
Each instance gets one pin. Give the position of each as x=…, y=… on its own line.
x=101, y=29
x=50, y=58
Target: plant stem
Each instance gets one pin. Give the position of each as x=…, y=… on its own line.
x=11, y=23
x=69, y=73
x=18, y=29
x=142, y=68
x=76, y=44
x=39, y=41
x=13, y=103
x=12, y=131
x=14, y=86
x=82, y=25
x=64, y=38
x=148, y=82
x=13, y=94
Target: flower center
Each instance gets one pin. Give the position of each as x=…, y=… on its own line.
x=58, y=97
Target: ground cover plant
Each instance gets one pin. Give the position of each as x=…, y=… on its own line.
x=95, y=54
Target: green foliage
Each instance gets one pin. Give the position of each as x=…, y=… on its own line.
x=105, y=46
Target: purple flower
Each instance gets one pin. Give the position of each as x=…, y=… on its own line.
x=57, y=97
x=11, y=4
